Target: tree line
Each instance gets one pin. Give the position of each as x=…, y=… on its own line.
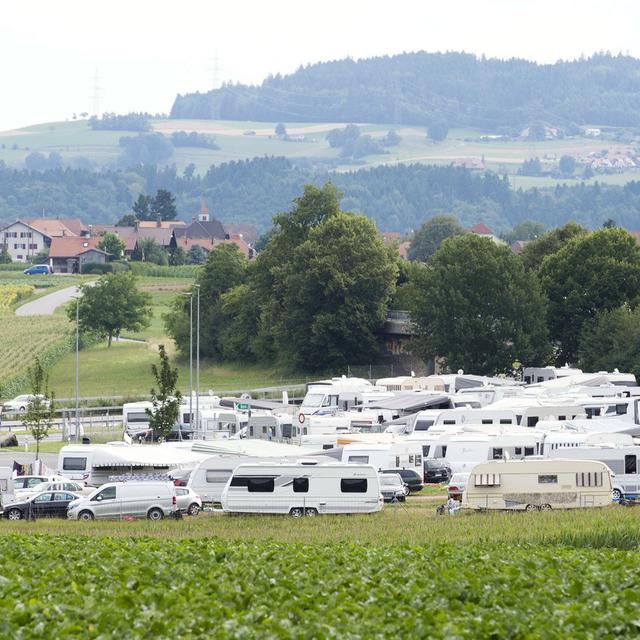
x=423, y=88
x=397, y=198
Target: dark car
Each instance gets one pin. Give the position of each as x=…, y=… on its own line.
x=148, y=435
x=436, y=471
x=51, y=504
x=409, y=476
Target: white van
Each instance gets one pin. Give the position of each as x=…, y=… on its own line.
x=153, y=499
x=538, y=485
x=303, y=489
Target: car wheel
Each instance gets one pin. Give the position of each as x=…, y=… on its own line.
x=616, y=494
x=194, y=509
x=545, y=507
x=531, y=507
x=14, y=514
x=86, y=516
x=155, y=514
x=310, y=512
x=296, y=512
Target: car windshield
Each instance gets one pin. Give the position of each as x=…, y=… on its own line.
x=388, y=478
x=435, y=464
x=313, y=400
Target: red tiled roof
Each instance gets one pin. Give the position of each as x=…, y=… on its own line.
x=71, y=247
x=481, y=229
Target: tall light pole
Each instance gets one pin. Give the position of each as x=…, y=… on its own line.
x=198, y=359
x=77, y=369
x=190, y=294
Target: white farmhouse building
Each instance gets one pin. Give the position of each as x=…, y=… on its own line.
x=22, y=240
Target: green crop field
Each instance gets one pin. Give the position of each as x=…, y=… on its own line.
x=396, y=574
x=73, y=139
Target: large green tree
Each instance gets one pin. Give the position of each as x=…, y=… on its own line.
x=112, y=245
x=536, y=251
x=478, y=309
x=612, y=340
x=335, y=289
x=225, y=268
x=525, y=230
x=591, y=273
x=112, y=304
x=429, y=236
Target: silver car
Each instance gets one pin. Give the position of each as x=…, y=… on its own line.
x=188, y=501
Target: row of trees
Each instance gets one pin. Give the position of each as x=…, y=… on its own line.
x=397, y=198
x=570, y=296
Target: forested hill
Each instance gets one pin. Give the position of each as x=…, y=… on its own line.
x=420, y=88
x=398, y=198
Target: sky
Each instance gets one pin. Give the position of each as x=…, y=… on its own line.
x=145, y=52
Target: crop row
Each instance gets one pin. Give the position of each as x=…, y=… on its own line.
x=23, y=339
x=12, y=293
x=63, y=587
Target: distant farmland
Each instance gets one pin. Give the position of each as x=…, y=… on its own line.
x=243, y=140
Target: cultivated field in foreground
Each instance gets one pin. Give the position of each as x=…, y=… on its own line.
x=475, y=576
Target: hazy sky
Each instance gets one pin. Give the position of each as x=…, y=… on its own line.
x=147, y=51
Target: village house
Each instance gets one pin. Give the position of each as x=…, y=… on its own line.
x=71, y=254
x=23, y=241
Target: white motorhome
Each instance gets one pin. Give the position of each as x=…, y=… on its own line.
x=624, y=461
x=336, y=394
x=537, y=484
x=303, y=489
x=94, y=465
x=533, y=375
x=466, y=450
x=484, y=416
x=394, y=455
x=7, y=487
x=134, y=416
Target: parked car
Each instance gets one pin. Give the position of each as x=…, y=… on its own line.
x=50, y=504
x=58, y=485
x=436, y=471
x=153, y=499
x=409, y=476
x=148, y=435
x=457, y=484
x=20, y=404
x=393, y=488
x=188, y=501
x=38, y=269
x=28, y=482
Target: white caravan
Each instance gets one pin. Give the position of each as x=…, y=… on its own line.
x=303, y=489
x=484, y=416
x=534, y=485
x=134, y=416
x=7, y=487
x=624, y=461
x=392, y=455
x=93, y=465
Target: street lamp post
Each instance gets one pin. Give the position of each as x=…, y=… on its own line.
x=77, y=369
x=198, y=359
x=190, y=294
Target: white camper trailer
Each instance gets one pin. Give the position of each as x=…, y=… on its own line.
x=624, y=461
x=401, y=454
x=538, y=485
x=135, y=417
x=302, y=489
x=337, y=394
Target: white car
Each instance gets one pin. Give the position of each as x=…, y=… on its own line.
x=28, y=482
x=188, y=501
x=66, y=485
x=20, y=404
x=457, y=485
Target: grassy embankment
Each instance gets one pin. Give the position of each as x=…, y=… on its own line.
x=399, y=573
x=72, y=139
x=125, y=368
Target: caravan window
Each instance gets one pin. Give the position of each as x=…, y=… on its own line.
x=353, y=485
x=254, y=485
x=621, y=409
x=358, y=459
x=448, y=422
x=423, y=425
x=487, y=421
x=497, y=453
x=301, y=485
x=630, y=464
x=74, y=464
x=505, y=421
x=518, y=451
x=528, y=451
x=217, y=476
x=286, y=430
x=532, y=421
x=548, y=479
x=487, y=479
x=418, y=459
x=425, y=449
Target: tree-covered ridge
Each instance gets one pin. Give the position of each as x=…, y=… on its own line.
x=397, y=198
x=420, y=88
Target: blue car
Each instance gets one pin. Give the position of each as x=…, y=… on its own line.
x=38, y=269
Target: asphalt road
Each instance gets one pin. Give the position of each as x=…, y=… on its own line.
x=46, y=305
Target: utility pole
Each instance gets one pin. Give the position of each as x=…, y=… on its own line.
x=190, y=294
x=198, y=358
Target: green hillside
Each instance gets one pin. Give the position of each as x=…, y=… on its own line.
x=76, y=142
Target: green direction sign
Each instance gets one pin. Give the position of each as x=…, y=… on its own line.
x=242, y=406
